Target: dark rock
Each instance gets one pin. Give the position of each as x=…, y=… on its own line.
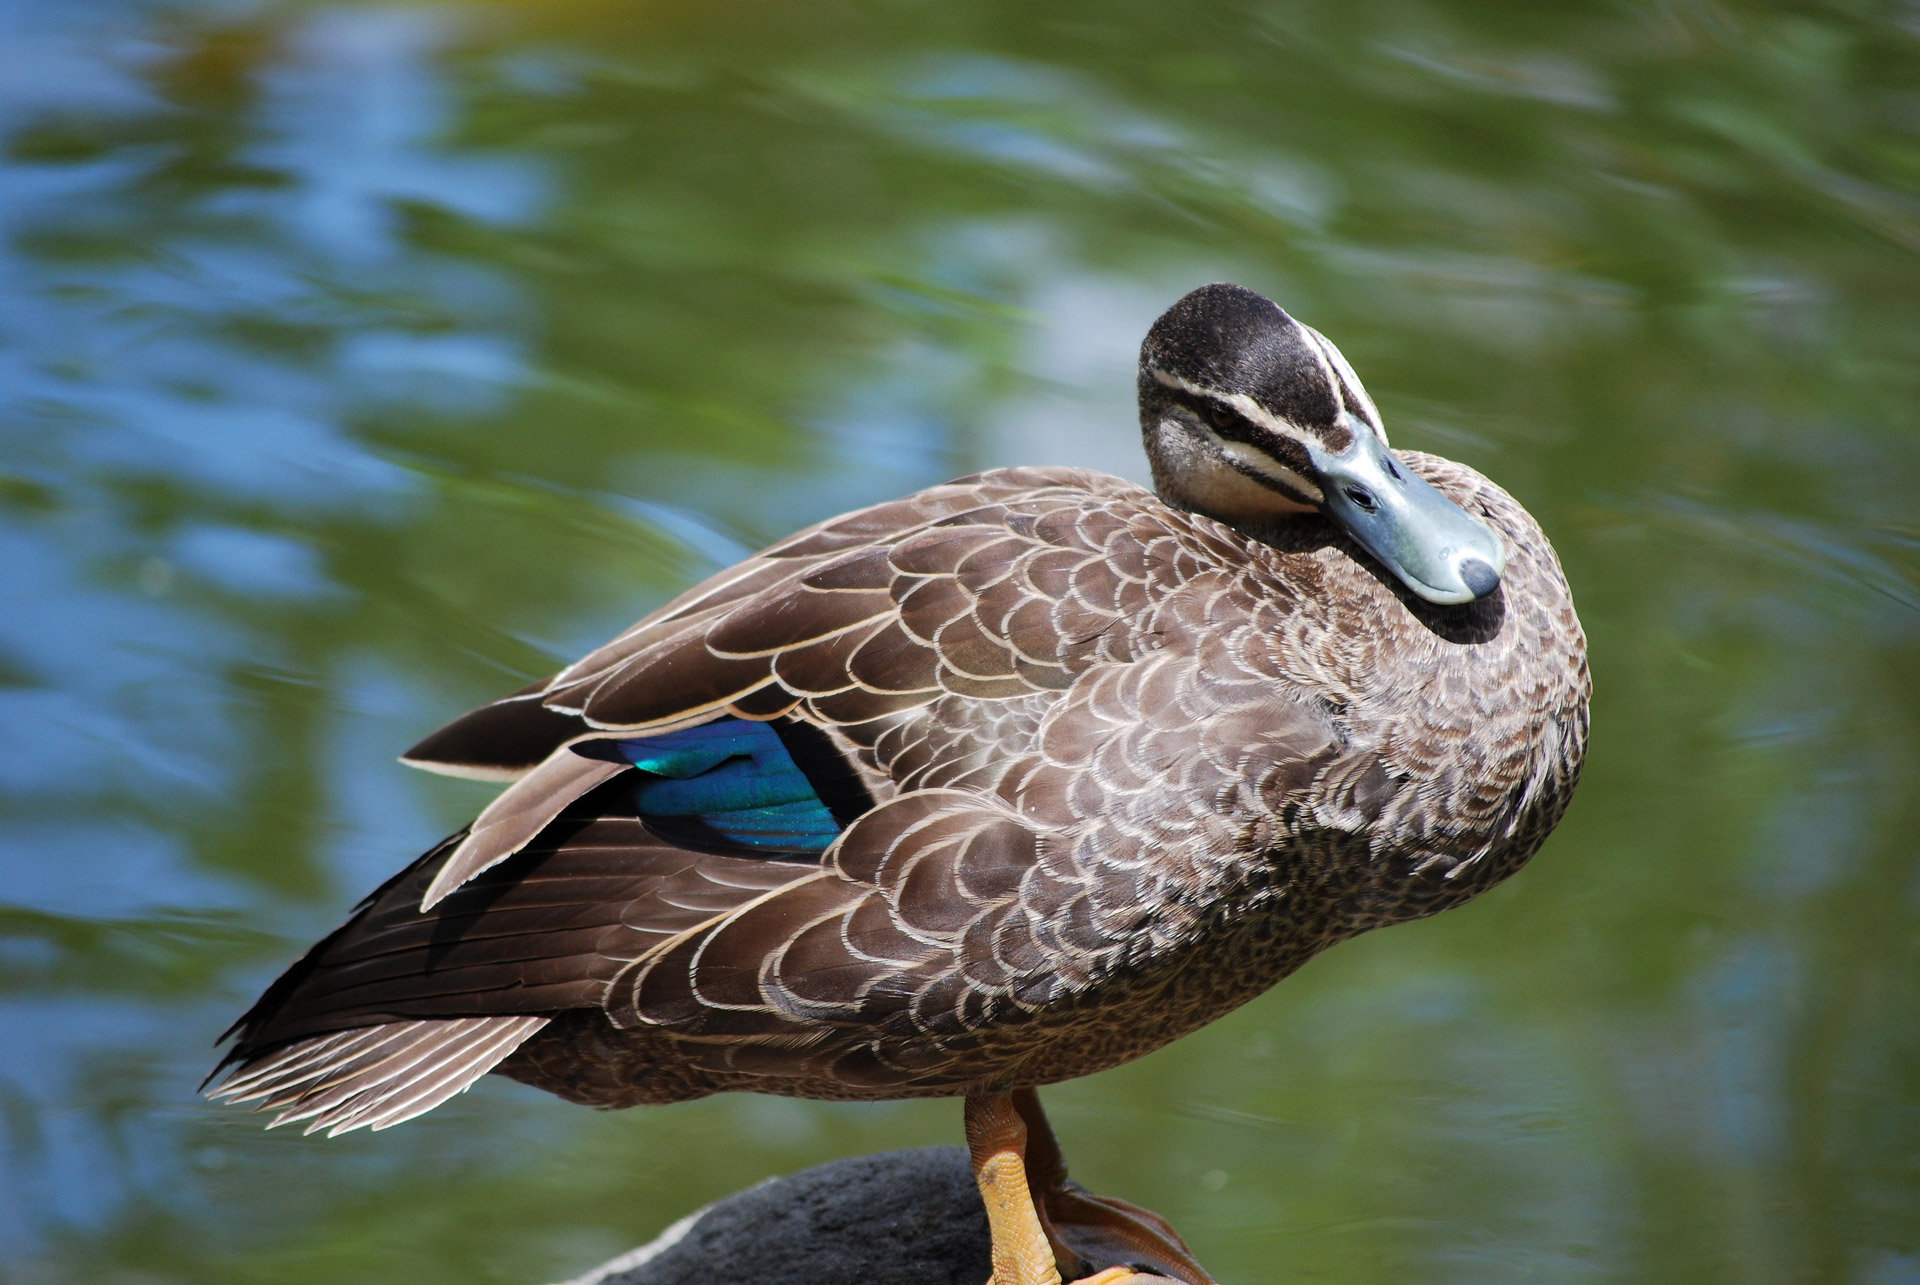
x=897, y=1218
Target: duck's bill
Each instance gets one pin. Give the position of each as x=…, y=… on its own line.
x=1436, y=548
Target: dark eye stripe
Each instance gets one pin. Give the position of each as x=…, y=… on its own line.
x=1273, y=484
x=1234, y=427
x=1289, y=452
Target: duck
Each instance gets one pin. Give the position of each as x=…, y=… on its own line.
x=1006, y=782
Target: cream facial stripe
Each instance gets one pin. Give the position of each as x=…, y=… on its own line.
x=1253, y=411
x=1251, y=458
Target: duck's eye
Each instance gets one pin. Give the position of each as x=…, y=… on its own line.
x=1361, y=496
x=1222, y=417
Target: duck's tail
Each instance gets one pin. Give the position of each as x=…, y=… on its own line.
x=373, y=1076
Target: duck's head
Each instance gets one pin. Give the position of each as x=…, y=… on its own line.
x=1249, y=415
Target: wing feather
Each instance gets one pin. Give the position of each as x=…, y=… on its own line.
x=512, y=820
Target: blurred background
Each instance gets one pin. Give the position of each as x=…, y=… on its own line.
x=359, y=362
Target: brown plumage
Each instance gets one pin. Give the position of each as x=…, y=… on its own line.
x=1116, y=767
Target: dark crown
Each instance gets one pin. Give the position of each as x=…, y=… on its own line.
x=1228, y=339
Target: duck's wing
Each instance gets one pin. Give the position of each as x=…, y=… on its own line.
x=508, y=738
x=994, y=588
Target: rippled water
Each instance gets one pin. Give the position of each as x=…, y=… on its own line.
x=358, y=363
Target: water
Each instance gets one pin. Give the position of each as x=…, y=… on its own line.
x=358, y=363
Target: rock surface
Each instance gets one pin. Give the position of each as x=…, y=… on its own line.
x=908, y=1217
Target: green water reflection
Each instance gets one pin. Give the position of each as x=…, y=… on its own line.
x=359, y=362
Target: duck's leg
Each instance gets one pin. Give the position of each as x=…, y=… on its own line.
x=997, y=1137
x=1024, y=1245
x=1095, y=1229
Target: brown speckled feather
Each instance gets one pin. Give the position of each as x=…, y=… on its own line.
x=1130, y=767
